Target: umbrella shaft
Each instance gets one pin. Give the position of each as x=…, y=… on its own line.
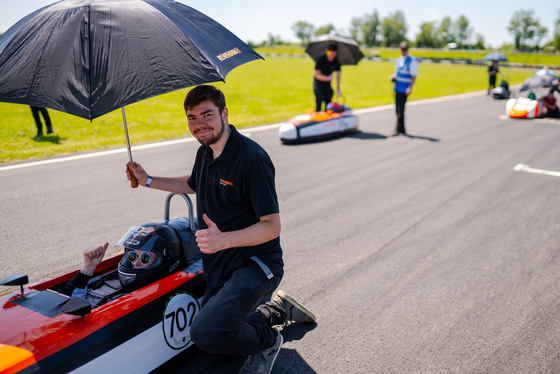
x=126, y=135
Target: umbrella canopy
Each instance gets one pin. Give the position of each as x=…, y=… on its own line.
x=89, y=57
x=495, y=56
x=348, y=50
x=539, y=80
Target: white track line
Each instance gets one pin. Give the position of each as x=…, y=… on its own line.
x=246, y=131
x=96, y=154
x=528, y=169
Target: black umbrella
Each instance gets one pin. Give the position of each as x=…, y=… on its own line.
x=89, y=57
x=495, y=56
x=348, y=50
x=539, y=80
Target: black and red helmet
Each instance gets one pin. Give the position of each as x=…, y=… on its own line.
x=151, y=252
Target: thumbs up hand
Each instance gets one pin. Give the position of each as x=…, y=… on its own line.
x=210, y=240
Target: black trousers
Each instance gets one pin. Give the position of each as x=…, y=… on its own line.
x=228, y=322
x=400, y=101
x=35, y=111
x=323, y=93
x=491, y=83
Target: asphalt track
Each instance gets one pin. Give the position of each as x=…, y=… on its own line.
x=432, y=253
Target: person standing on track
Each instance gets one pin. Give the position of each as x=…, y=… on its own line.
x=406, y=70
x=493, y=71
x=324, y=68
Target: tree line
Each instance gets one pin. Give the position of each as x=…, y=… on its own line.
x=370, y=30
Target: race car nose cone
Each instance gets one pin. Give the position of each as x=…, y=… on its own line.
x=288, y=131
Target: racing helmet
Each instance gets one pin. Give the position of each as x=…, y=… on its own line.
x=335, y=107
x=151, y=252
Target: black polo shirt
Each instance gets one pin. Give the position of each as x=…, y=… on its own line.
x=326, y=67
x=234, y=191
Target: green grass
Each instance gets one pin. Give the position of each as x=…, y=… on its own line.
x=260, y=92
x=535, y=59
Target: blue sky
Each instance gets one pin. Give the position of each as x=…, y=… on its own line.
x=253, y=20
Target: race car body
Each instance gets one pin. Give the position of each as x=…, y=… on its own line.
x=336, y=120
x=110, y=330
x=524, y=107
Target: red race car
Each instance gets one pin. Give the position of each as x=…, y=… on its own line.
x=113, y=327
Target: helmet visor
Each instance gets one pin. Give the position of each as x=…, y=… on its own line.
x=137, y=237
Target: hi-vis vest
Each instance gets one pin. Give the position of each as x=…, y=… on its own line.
x=403, y=76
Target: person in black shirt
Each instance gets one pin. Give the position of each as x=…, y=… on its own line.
x=239, y=228
x=324, y=67
x=493, y=71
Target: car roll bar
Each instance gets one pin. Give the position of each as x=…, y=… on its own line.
x=189, y=204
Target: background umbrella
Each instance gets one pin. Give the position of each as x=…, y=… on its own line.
x=348, y=50
x=541, y=80
x=495, y=56
x=89, y=57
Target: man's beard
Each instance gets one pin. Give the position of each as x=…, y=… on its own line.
x=214, y=138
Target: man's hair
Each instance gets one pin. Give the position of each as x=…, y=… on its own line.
x=332, y=47
x=203, y=93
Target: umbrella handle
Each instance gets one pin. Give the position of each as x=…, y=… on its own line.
x=133, y=180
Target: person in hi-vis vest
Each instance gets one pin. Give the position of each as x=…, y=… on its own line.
x=406, y=70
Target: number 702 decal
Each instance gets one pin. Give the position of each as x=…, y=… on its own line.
x=179, y=313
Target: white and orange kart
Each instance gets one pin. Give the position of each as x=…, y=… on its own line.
x=337, y=120
x=524, y=107
x=44, y=331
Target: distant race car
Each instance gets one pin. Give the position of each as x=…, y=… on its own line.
x=502, y=91
x=524, y=107
x=337, y=120
x=111, y=330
